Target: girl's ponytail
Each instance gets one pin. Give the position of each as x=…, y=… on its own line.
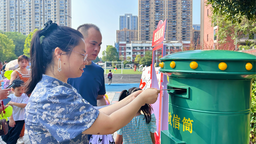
x=146, y=109
x=37, y=66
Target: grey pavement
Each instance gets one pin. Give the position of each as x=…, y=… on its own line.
x=124, y=78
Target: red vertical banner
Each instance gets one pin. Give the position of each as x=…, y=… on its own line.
x=159, y=33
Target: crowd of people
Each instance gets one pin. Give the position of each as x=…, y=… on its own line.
x=57, y=99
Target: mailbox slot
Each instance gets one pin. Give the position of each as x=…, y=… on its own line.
x=179, y=91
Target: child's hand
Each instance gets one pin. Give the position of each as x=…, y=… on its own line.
x=149, y=96
x=10, y=103
x=12, y=123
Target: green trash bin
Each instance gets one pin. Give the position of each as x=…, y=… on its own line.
x=209, y=97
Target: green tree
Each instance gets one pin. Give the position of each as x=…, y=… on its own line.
x=147, y=59
x=126, y=62
x=121, y=58
x=97, y=59
x=128, y=58
x=6, y=48
x=137, y=59
x=235, y=29
x=114, y=64
x=110, y=54
x=253, y=113
x=143, y=61
x=18, y=40
x=26, y=50
x=234, y=10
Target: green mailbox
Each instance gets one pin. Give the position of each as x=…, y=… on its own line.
x=209, y=97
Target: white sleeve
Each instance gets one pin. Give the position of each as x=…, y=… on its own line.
x=25, y=99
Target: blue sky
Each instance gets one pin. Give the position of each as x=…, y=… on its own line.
x=105, y=14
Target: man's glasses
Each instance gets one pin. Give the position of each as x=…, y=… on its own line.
x=84, y=55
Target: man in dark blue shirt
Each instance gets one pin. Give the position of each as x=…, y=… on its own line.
x=91, y=85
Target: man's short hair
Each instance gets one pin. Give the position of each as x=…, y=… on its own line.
x=85, y=27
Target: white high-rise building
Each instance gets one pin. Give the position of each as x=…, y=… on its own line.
x=26, y=15
x=178, y=14
x=129, y=22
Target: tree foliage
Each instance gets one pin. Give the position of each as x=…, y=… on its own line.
x=6, y=48
x=253, y=114
x=234, y=10
x=127, y=62
x=26, y=50
x=235, y=29
x=137, y=59
x=110, y=54
x=97, y=59
x=18, y=40
x=128, y=58
x=121, y=58
x=147, y=59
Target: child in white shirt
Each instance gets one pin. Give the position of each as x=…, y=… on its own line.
x=18, y=101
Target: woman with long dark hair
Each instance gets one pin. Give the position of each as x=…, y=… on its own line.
x=56, y=113
x=141, y=128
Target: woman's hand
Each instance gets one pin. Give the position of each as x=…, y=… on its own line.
x=149, y=96
x=4, y=93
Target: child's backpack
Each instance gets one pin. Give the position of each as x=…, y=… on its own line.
x=110, y=75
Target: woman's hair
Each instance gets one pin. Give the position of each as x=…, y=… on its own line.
x=146, y=109
x=43, y=45
x=22, y=57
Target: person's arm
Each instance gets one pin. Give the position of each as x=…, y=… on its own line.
x=11, y=121
x=102, y=91
x=13, y=76
x=153, y=138
x=108, y=124
x=112, y=108
x=21, y=105
x=100, y=100
x=4, y=93
x=119, y=139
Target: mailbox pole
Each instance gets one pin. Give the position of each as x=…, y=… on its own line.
x=162, y=102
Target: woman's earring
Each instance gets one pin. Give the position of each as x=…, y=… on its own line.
x=59, y=65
